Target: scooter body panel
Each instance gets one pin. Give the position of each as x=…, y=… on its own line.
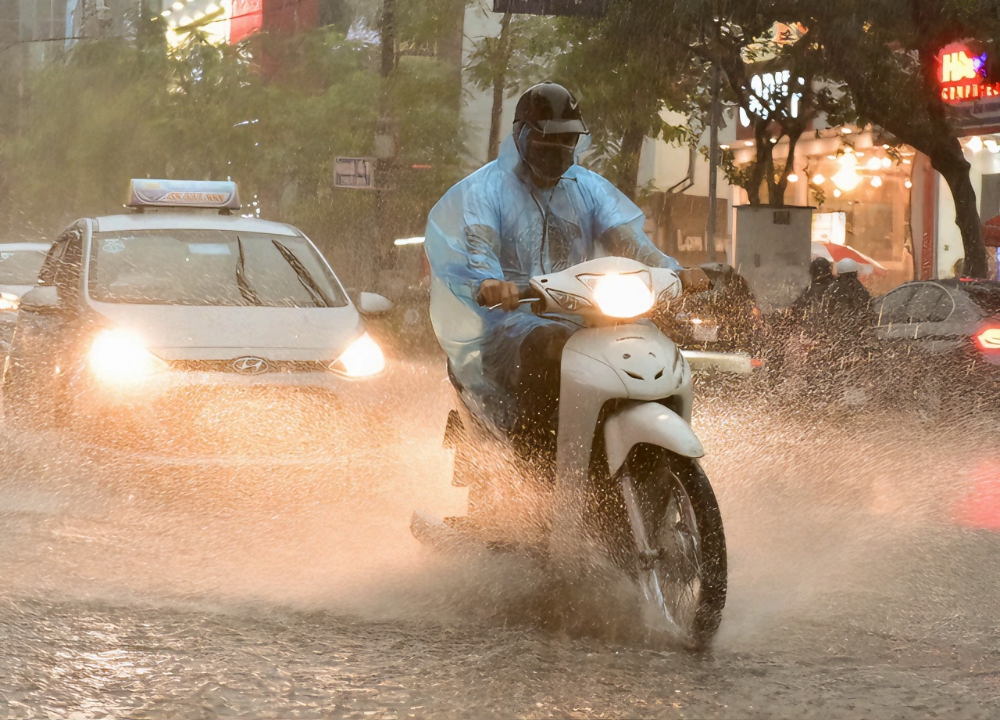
x=617, y=362
x=650, y=423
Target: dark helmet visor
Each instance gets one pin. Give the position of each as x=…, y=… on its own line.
x=554, y=127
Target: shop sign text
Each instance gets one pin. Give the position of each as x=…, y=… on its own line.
x=962, y=74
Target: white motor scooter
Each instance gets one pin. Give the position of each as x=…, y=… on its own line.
x=627, y=473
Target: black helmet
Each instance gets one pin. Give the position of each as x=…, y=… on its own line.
x=550, y=109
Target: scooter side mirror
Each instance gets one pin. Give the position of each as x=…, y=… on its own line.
x=373, y=304
x=42, y=298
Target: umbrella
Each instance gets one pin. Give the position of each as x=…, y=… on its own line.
x=835, y=253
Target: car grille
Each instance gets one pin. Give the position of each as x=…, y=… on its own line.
x=229, y=366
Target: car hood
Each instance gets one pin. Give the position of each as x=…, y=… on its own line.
x=180, y=332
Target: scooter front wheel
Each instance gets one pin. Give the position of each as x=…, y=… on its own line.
x=679, y=546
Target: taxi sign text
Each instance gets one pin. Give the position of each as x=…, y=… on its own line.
x=184, y=193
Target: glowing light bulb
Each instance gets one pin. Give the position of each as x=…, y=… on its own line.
x=886, y=163
x=874, y=164
x=847, y=177
x=793, y=178
x=908, y=184
x=818, y=179
x=876, y=182
x=178, y=6
x=837, y=193
x=975, y=144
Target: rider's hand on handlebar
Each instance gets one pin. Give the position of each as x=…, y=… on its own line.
x=694, y=280
x=498, y=292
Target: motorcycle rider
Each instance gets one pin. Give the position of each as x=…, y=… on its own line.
x=530, y=212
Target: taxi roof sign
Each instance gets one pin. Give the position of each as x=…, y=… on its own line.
x=222, y=195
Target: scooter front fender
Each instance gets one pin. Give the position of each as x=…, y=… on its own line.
x=650, y=423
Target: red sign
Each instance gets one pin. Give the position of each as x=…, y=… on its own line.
x=281, y=16
x=962, y=74
x=247, y=19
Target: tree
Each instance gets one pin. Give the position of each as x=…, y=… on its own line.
x=627, y=68
x=886, y=53
x=115, y=109
x=521, y=55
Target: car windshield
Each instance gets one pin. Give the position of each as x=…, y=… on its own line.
x=210, y=267
x=985, y=295
x=20, y=267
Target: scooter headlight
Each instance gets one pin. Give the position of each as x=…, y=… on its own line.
x=623, y=296
x=362, y=358
x=119, y=357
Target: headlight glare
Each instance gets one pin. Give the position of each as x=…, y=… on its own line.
x=119, y=357
x=362, y=358
x=623, y=296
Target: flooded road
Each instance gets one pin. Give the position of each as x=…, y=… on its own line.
x=863, y=582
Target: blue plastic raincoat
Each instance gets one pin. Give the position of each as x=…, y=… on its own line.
x=495, y=224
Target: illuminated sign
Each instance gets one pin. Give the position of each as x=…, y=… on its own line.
x=183, y=193
x=962, y=74
x=248, y=18
x=772, y=96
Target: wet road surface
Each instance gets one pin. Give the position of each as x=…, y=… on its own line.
x=862, y=583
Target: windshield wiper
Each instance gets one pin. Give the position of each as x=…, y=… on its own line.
x=246, y=289
x=304, y=277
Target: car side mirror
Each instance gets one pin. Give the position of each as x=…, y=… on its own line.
x=373, y=304
x=42, y=298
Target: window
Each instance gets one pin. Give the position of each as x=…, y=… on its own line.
x=20, y=267
x=930, y=303
x=210, y=267
x=892, y=309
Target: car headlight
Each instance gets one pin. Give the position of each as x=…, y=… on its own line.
x=9, y=302
x=623, y=296
x=362, y=358
x=118, y=357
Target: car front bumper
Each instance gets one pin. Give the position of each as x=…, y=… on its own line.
x=191, y=413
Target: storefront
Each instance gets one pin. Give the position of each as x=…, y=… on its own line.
x=862, y=191
x=974, y=107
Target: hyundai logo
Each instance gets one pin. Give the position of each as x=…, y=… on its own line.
x=250, y=365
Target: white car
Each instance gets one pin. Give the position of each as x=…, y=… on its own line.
x=184, y=321
x=19, y=266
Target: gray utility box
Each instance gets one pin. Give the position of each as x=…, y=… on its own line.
x=772, y=249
